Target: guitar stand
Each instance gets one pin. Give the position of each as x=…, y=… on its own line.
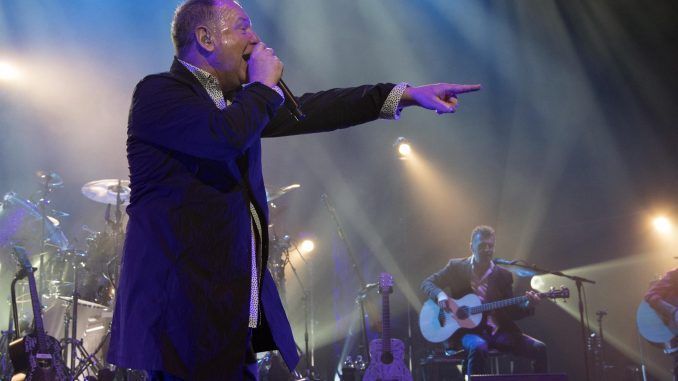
x=79, y=354
x=87, y=360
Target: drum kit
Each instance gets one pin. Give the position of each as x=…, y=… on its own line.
x=76, y=286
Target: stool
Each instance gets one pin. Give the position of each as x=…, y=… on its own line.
x=493, y=357
x=441, y=367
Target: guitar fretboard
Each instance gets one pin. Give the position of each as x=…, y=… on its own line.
x=386, y=322
x=485, y=307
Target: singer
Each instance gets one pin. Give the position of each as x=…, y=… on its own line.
x=479, y=275
x=195, y=300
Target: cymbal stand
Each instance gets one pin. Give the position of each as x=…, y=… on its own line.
x=43, y=234
x=310, y=371
x=78, y=351
x=602, y=366
x=118, y=233
x=73, y=339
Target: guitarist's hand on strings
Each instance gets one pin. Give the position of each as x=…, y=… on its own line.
x=445, y=304
x=533, y=297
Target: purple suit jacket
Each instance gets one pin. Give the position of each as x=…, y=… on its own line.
x=182, y=302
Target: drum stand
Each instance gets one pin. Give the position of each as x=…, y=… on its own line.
x=79, y=353
x=87, y=360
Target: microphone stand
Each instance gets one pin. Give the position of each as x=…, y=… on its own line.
x=362, y=293
x=579, y=281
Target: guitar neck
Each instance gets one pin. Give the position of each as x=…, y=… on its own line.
x=386, y=323
x=486, y=307
x=37, y=313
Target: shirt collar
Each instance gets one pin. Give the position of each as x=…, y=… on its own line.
x=209, y=82
x=487, y=273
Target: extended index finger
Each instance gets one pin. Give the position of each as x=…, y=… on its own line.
x=461, y=89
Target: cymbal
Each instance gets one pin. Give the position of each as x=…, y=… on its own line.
x=272, y=194
x=106, y=191
x=82, y=302
x=51, y=178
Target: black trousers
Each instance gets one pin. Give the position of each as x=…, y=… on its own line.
x=249, y=368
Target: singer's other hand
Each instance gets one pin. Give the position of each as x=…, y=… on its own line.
x=264, y=66
x=441, y=97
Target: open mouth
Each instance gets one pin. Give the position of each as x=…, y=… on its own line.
x=246, y=57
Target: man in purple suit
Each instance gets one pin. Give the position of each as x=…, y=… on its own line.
x=195, y=300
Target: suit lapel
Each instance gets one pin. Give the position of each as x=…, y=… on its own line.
x=182, y=74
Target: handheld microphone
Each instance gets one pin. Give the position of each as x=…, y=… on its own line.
x=502, y=261
x=291, y=102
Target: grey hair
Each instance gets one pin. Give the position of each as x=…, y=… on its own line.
x=189, y=15
x=483, y=230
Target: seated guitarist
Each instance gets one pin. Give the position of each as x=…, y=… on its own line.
x=662, y=297
x=478, y=274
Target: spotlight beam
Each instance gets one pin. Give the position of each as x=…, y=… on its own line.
x=621, y=331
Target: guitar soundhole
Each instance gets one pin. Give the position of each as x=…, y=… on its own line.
x=386, y=358
x=462, y=313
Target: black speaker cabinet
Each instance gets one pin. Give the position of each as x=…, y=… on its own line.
x=521, y=377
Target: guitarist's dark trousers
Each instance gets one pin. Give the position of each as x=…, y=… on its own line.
x=478, y=343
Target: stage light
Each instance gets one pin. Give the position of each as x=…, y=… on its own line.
x=537, y=283
x=306, y=246
x=9, y=72
x=404, y=148
x=662, y=225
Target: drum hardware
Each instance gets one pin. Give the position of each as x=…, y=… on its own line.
x=113, y=192
x=273, y=194
x=279, y=258
x=76, y=285
x=22, y=222
x=50, y=181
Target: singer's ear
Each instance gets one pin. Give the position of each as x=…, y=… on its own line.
x=203, y=38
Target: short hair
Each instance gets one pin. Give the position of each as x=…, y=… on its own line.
x=483, y=230
x=187, y=17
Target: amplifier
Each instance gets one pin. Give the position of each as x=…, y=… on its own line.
x=521, y=377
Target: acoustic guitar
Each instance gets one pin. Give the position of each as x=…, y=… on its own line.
x=438, y=325
x=386, y=354
x=652, y=327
